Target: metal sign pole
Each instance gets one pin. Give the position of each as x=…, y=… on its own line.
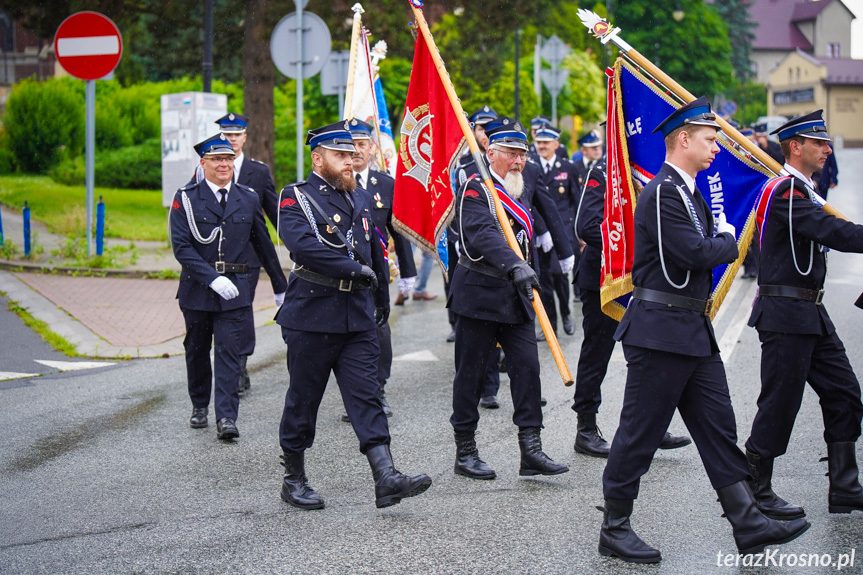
x=300, y=111
x=90, y=148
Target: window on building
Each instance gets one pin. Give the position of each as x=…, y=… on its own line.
x=834, y=50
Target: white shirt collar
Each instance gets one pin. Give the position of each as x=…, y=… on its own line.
x=547, y=163
x=799, y=175
x=687, y=179
x=238, y=162
x=365, y=176
x=216, y=188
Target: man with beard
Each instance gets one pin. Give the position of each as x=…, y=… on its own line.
x=672, y=355
x=491, y=291
x=381, y=188
x=799, y=343
x=338, y=293
x=214, y=223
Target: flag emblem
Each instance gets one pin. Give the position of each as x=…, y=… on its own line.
x=416, y=147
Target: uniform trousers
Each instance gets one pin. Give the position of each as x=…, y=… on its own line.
x=596, y=349
x=225, y=328
x=551, y=282
x=353, y=358
x=788, y=361
x=247, y=345
x=657, y=382
x=474, y=341
x=385, y=361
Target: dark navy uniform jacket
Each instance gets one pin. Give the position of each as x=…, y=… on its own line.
x=537, y=199
x=658, y=326
x=256, y=175
x=381, y=188
x=811, y=226
x=562, y=184
x=591, y=212
x=479, y=295
x=313, y=307
x=242, y=225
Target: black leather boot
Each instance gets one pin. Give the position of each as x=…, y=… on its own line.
x=617, y=539
x=752, y=530
x=845, y=494
x=674, y=441
x=467, y=461
x=588, y=438
x=533, y=460
x=770, y=504
x=391, y=485
x=296, y=490
x=387, y=410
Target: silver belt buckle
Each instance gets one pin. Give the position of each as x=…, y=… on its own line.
x=819, y=297
x=220, y=267
x=346, y=285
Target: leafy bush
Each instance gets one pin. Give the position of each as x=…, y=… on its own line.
x=45, y=122
x=135, y=167
x=7, y=158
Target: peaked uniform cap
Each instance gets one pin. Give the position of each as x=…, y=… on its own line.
x=233, y=123
x=506, y=131
x=695, y=113
x=809, y=126
x=214, y=145
x=335, y=136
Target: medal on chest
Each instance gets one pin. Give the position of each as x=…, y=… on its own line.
x=366, y=228
x=378, y=203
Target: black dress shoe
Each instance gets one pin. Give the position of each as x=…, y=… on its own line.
x=674, y=441
x=489, y=402
x=199, y=418
x=543, y=401
x=540, y=336
x=226, y=429
x=451, y=337
x=568, y=325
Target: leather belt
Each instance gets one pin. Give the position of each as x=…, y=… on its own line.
x=703, y=306
x=483, y=268
x=320, y=279
x=228, y=268
x=793, y=292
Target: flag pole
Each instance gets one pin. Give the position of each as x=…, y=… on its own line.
x=352, y=62
x=607, y=33
x=486, y=176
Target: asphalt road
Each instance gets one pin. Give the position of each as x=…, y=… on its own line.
x=100, y=472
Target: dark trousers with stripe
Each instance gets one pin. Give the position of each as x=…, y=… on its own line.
x=657, y=383
x=385, y=361
x=474, y=342
x=596, y=349
x=222, y=330
x=353, y=358
x=788, y=362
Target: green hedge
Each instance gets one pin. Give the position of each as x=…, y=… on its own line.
x=135, y=167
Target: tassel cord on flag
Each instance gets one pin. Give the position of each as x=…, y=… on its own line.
x=550, y=336
x=607, y=33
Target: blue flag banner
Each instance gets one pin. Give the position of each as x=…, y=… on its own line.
x=730, y=185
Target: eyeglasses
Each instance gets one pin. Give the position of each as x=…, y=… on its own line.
x=513, y=155
x=222, y=160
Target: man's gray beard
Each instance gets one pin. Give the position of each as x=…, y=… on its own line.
x=514, y=184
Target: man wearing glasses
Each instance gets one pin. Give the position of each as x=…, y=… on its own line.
x=213, y=222
x=491, y=293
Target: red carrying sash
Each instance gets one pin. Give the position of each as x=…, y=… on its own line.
x=518, y=212
x=762, y=207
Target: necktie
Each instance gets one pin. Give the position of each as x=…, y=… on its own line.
x=360, y=180
x=223, y=200
x=547, y=168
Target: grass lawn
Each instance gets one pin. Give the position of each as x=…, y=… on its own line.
x=129, y=214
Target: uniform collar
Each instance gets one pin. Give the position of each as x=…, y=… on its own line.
x=799, y=175
x=687, y=179
x=216, y=188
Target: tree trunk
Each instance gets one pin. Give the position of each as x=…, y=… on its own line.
x=258, y=81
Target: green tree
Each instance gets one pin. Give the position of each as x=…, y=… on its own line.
x=735, y=13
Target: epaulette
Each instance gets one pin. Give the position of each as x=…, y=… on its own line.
x=258, y=161
x=187, y=187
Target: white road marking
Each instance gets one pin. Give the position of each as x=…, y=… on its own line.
x=4, y=375
x=424, y=355
x=73, y=365
x=88, y=46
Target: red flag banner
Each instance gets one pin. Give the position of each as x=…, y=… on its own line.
x=617, y=225
x=430, y=145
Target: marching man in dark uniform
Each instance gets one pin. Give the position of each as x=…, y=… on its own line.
x=381, y=188
x=590, y=146
x=255, y=175
x=536, y=124
x=490, y=296
x=671, y=351
x=212, y=224
x=598, y=343
x=799, y=343
x=560, y=179
x=338, y=293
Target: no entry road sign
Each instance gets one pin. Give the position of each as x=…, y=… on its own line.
x=88, y=45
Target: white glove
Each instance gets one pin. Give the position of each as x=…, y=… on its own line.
x=544, y=242
x=406, y=285
x=280, y=299
x=224, y=287
x=723, y=226
x=567, y=264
